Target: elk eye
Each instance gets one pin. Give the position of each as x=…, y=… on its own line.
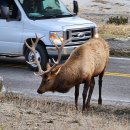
x=48, y=80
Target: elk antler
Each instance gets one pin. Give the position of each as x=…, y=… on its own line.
x=59, y=48
x=33, y=49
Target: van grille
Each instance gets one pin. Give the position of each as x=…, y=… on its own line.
x=79, y=35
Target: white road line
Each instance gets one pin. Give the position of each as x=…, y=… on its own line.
x=119, y=58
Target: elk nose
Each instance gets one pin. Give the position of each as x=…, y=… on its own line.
x=39, y=91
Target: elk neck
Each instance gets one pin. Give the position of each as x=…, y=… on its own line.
x=68, y=77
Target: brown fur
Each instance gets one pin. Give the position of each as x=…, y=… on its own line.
x=85, y=62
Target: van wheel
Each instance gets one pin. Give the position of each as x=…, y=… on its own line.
x=41, y=55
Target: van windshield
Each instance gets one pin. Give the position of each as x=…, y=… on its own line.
x=44, y=9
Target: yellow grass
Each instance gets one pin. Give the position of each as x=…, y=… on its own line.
x=114, y=31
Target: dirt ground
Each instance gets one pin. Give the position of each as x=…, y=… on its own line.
x=18, y=112
x=99, y=11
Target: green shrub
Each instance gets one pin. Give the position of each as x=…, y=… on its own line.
x=118, y=20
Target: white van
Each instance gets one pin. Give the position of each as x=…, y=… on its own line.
x=21, y=19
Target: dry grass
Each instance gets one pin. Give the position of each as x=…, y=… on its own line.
x=18, y=112
x=114, y=31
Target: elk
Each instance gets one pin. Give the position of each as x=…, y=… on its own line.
x=84, y=63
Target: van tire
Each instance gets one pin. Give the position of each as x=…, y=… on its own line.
x=41, y=54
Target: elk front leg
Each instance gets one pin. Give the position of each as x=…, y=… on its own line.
x=76, y=95
x=85, y=90
x=90, y=92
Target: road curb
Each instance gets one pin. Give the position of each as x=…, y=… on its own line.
x=118, y=53
x=119, y=47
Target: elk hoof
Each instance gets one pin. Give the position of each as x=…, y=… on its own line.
x=100, y=102
x=88, y=107
x=83, y=109
x=76, y=108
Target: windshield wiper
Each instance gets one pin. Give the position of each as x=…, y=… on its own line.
x=64, y=15
x=32, y=17
x=49, y=16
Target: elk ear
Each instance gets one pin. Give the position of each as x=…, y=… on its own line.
x=58, y=71
x=48, y=66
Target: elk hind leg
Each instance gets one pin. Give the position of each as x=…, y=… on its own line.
x=100, y=88
x=92, y=84
x=84, y=94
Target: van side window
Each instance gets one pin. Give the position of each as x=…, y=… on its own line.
x=13, y=9
x=2, y=3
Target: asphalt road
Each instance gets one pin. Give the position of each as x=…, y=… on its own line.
x=116, y=82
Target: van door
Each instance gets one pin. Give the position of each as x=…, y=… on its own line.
x=11, y=32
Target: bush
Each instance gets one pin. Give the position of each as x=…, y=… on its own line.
x=118, y=20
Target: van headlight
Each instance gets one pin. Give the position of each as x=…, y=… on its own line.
x=96, y=30
x=56, y=37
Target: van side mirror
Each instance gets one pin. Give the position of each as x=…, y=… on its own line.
x=75, y=7
x=4, y=12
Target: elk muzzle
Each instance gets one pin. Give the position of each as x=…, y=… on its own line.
x=39, y=91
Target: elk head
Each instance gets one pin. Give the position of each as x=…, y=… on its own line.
x=48, y=76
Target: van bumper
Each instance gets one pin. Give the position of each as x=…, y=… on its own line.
x=52, y=51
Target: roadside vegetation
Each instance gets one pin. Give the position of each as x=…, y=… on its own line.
x=114, y=31
x=119, y=34
x=21, y=112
